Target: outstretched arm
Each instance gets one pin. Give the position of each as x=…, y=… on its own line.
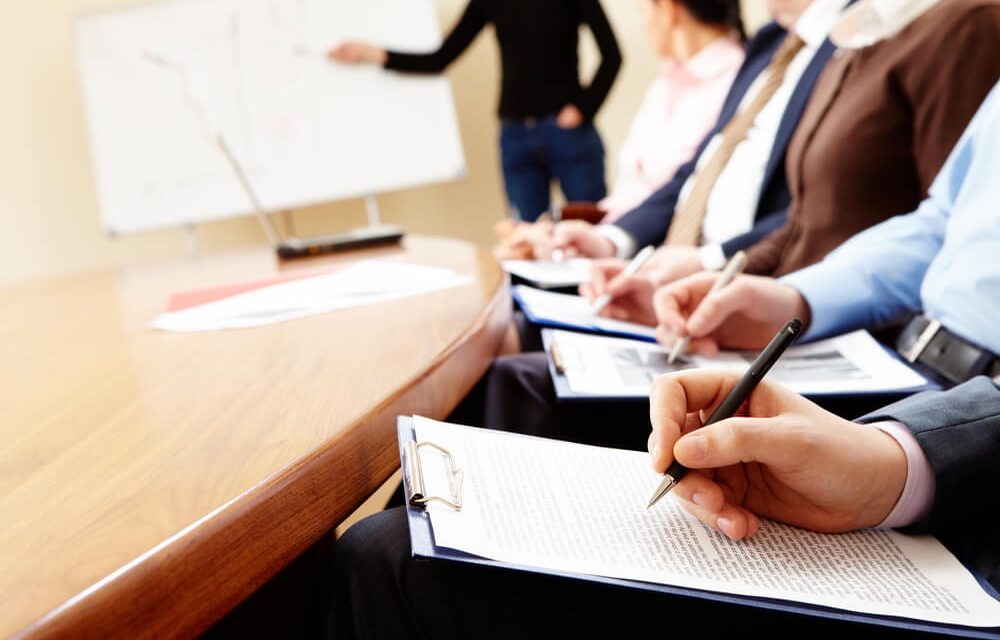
x=473, y=21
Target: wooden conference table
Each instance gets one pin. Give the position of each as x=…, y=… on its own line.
x=150, y=481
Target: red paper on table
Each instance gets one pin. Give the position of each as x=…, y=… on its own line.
x=196, y=297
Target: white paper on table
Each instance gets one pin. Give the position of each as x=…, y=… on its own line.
x=619, y=367
x=575, y=311
x=549, y=274
x=366, y=282
x=562, y=506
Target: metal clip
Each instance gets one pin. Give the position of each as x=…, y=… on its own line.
x=415, y=486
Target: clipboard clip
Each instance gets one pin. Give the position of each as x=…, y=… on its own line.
x=557, y=359
x=416, y=491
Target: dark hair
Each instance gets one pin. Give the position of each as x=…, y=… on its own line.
x=721, y=12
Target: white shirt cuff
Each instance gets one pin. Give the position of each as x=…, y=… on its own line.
x=712, y=258
x=918, y=492
x=624, y=243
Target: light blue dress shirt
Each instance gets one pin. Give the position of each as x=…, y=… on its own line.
x=943, y=259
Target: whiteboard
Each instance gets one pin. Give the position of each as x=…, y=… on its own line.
x=162, y=80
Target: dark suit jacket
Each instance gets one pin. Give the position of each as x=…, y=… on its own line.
x=648, y=223
x=959, y=431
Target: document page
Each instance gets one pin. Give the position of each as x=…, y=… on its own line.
x=574, y=311
x=366, y=282
x=548, y=274
x=617, y=367
x=569, y=507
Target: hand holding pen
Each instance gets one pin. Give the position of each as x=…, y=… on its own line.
x=742, y=315
x=737, y=396
x=630, y=270
x=781, y=457
x=735, y=266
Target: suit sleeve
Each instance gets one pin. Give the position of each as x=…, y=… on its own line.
x=473, y=21
x=648, y=223
x=611, y=60
x=959, y=432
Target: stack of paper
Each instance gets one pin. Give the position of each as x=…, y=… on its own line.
x=569, y=509
x=591, y=366
x=367, y=282
x=550, y=275
x=573, y=312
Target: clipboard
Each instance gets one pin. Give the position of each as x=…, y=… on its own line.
x=560, y=277
x=609, y=328
x=557, y=358
x=423, y=547
x=556, y=361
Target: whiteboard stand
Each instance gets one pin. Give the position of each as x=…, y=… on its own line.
x=371, y=210
x=288, y=222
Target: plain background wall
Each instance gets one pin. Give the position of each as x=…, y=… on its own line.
x=49, y=219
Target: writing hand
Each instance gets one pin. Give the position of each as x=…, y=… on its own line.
x=631, y=296
x=745, y=314
x=577, y=239
x=515, y=240
x=782, y=458
x=669, y=264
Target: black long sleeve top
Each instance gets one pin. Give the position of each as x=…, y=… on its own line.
x=538, y=48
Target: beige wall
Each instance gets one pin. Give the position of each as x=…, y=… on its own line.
x=48, y=209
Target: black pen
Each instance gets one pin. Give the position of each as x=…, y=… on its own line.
x=754, y=374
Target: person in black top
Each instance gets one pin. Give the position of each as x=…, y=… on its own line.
x=547, y=129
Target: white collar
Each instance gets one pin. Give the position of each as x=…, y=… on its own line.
x=816, y=21
x=871, y=21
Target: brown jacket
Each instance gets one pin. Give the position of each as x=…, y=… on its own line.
x=879, y=126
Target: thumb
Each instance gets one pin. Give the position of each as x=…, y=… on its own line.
x=739, y=440
x=715, y=309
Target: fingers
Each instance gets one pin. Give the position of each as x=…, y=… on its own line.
x=674, y=302
x=338, y=53
x=716, y=307
x=349, y=52
x=766, y=301
x=672, y=398
x=601, y=273
x=579, y=238
x=543, y=240
x=739, y=440
x=706, y=500
x=707, y=347
x=598, y=281
x=622, y=285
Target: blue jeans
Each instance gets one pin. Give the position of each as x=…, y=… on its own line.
x=534, y=153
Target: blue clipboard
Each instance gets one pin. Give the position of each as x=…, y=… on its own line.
x=545, y=321
x=423, y=547
x=565, y=393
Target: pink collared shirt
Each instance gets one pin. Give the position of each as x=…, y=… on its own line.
x=679, y=109
x=919, y=489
